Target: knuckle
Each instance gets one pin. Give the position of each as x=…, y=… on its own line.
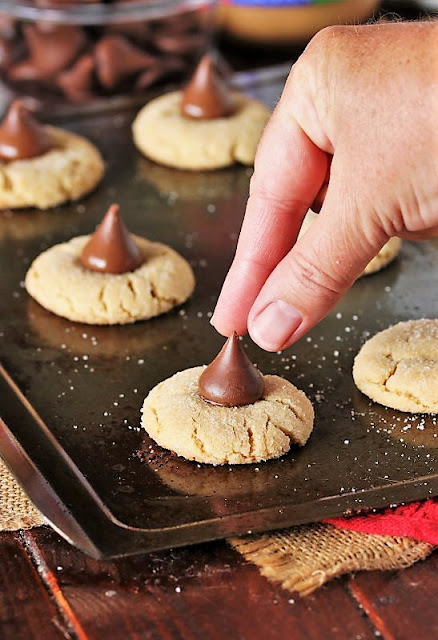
x=331, y=33
x=268, y=200
x=311, y=274
x=252, y=261
x=324, y=40
x=317, y=73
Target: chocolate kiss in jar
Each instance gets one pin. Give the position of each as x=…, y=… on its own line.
x=60, y=52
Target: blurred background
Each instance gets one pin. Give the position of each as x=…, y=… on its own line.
x=58, y=53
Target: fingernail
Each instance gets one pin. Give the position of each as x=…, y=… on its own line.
x=273, y=327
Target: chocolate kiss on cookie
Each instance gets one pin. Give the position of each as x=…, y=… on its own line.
x=21, y=136
x=231, y=379
x=207, y=96
x=111, y=248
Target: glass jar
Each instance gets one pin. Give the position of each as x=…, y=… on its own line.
x=60, y=52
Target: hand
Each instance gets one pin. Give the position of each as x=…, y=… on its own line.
x=359, y=111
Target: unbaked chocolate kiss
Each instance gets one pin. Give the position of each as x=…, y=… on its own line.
x=207, y=96
x=117, y=59
x=77, y=82
x=21, y=136
x=111, y=248
x=231, y=379
x=51, y=47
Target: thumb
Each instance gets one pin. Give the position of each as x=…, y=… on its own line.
x=315, y=274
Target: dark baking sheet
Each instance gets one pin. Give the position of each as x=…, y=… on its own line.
x=71, y=393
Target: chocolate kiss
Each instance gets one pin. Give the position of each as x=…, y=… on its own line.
x=231, y=379
x=117, y=59
x=77, y=82
x=21, y=136
x=207, y=96
x=162, y=69
x=54, y=50
x=111, y=248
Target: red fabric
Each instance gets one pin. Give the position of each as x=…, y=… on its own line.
x=417, y=520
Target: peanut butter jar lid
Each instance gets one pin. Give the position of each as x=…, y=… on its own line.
x=285, y=21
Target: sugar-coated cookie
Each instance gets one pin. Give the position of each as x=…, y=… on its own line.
x=43, y=166
x=69, y=170
x=204, y=126
x=165, y=136
x=387, y=253
x=59, y=282
x=177, y=418
x=398, y=367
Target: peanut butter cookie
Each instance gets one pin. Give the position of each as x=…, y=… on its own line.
x=59, y=282
x=67, y=171
x=164, y=135
x=177, y=418
x=398, y=367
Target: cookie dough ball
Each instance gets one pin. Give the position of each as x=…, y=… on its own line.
x=177, y=418
x=68, y=171
x=398, y=367
x=164, y=135
x=60, y=283
x=387, y=253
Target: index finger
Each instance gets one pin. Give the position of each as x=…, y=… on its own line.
x=289, y=171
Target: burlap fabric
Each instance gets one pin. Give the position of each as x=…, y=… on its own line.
x=304, y=558
x=301, y=558
x=16, y=510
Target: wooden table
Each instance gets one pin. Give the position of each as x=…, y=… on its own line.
x=50, y=590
